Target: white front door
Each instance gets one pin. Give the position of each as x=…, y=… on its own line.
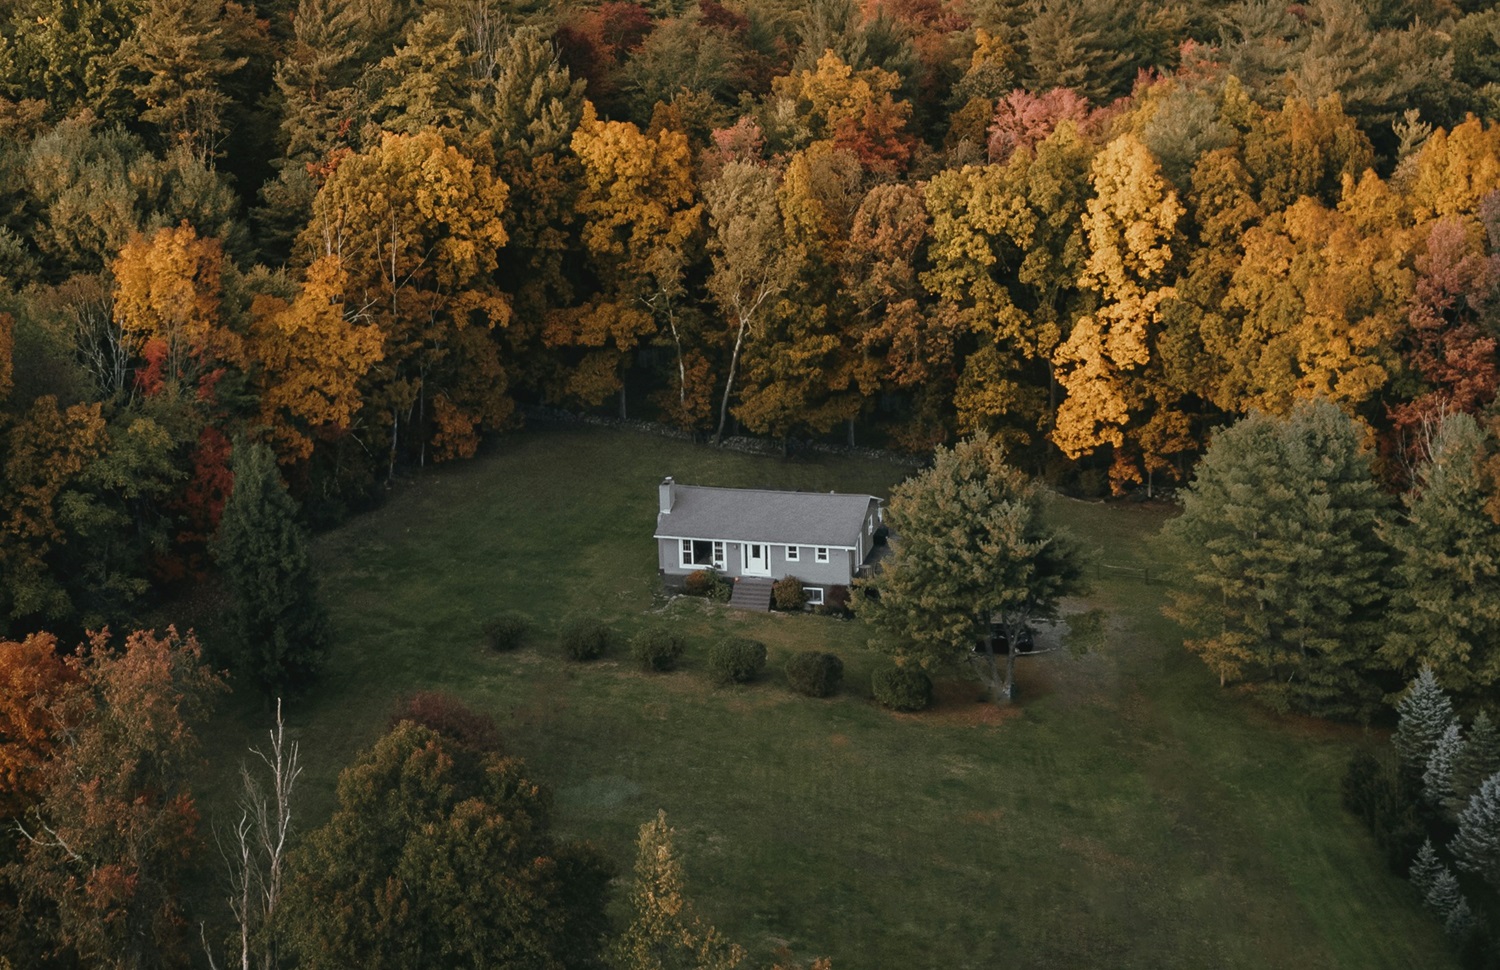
x=756, y=559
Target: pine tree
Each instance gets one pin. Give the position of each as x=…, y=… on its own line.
x=1425, y=869
x=1445, y=610
x=1437, y=780
x=1445, y=893
x=1461, y=920
x=1282, y=572
x=1479, y=759
x=975, y=553
x=1425, y=713
x=280, y=625
x=1476, y=847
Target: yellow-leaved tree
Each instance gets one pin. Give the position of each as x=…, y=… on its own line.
x=640, y=222
x=416, y=224
x=313, y=352
x=1103, y=366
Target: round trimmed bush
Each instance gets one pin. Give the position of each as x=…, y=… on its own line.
x=506, y=631
x=737, y=660
x=657, y=648
x=902, y=688
x=585, y=638
x=788, y=594
x=814, y=674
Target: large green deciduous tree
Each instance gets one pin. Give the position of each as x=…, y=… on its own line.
x=972, y=551
x=440, y=855
x=1281, y=581
x=279, y=622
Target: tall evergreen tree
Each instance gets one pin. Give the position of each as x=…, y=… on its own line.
x=280, y=625
x=973, y=552
x=1281, y=571
x=1444, y=894
x=1425, y=868
x=1437, y=780
x=1424, y=713
x=1445, y=609
x=1479, y=759
x=1476, y=847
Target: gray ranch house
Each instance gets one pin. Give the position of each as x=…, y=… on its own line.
x=823, y=538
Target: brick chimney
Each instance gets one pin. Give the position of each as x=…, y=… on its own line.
x=667, y=492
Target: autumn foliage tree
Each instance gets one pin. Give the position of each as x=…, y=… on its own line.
x=314, y=353
x=1104, y=363
x=664, y=932
x=416, y=225
x=33, y=676
x=110, y=838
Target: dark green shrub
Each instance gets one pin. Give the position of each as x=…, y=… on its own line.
x=585, y=638
x=708, y=582
x=656, y=648
x=814, y=674
x=737, y=660
x=902, y=688
x=787, y=594
x=506, y=631
x=835, y=602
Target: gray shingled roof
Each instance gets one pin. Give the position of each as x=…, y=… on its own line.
x=760, y=515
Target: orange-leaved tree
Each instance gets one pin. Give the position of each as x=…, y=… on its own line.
x=109, y=840
x=313, y=353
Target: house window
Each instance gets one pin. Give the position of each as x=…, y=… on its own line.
x=701, y=554
x=814, y=595
x=821, y=553
x=793, y=553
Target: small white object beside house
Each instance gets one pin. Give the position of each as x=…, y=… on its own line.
x=823, y=538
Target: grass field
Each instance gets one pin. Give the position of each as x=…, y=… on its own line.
x=1125, y=813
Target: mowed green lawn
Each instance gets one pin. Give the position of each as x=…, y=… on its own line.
x=1125, y=813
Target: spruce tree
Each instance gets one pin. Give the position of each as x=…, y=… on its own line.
x=1281, y=582
x=1437, y=780
x=1461, y=920
x=1445, y=607
x=1425, y=713
x=1476, y=847
x=1425, y=869
x=1479, y=759
x=280, y=626
x=1444, y=894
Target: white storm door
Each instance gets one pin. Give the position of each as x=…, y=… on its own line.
x=755, y=559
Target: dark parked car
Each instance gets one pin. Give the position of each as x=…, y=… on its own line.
x=1026, y=642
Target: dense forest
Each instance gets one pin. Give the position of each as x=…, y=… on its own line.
x=365, y=232
x=308, y=246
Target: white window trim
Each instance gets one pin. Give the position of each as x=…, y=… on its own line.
x=685, y=555
x=820, y=554
x=793, y=553
x=814, y=595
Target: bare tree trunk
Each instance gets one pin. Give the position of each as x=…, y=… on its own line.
x=257, y=857
x=734, y=361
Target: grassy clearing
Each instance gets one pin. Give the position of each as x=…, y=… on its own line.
x=1125, y=814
